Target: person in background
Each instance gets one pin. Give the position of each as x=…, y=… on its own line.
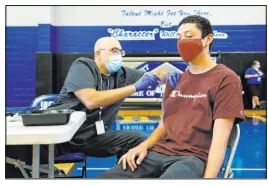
x=254, y=77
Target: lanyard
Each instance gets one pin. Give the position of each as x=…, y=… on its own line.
x=101, y=90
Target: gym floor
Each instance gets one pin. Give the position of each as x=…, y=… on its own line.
x=249, y=160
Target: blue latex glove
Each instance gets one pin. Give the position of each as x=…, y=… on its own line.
x=148, y=79
x=173, y=78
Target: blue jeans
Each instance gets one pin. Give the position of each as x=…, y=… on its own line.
x=157, y=165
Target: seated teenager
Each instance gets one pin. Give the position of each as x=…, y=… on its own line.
x=199, y=114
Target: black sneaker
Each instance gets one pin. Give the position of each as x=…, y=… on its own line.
x=257, y=107
x=58, y=173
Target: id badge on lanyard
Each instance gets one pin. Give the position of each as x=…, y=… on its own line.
x=100, y=124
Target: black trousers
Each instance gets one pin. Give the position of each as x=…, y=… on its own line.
x=254, y=89
x=157, y=165
x=108, y=144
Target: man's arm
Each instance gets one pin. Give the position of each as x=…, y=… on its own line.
x=251, y=76
x=160, y=130
x=141, y=150
x=80, y=81
x=221, y=133
x=155, y=136
x=95, y=99
x=259, y=72
x=136, y=74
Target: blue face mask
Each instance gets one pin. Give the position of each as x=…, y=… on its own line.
x=259, y=66
x=115, y=63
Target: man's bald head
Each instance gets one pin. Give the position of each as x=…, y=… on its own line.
x=106, y=43
x=104, y=48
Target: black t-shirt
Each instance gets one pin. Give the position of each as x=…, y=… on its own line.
x=84, y=74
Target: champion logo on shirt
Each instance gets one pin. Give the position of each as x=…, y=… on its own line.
x=176, y=93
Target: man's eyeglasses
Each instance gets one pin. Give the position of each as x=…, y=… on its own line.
x=116, y=51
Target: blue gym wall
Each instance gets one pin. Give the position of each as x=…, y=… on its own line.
x=69, y=29
x=22, y=43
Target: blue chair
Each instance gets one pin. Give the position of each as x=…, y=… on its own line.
x=44, y=102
